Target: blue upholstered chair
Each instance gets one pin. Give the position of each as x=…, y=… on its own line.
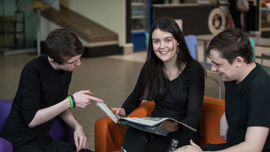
x=59, y=130
x=192, y=44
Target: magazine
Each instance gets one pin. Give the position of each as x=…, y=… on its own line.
x=147, y=124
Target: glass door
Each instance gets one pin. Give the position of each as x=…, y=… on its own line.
x=139, y=16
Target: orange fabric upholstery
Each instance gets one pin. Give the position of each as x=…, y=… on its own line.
x=212, y=111
x=109, y=136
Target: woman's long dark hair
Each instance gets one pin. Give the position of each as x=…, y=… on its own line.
x=156, y=80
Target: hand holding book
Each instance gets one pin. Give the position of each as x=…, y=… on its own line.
x=170, y=125
x=156, y=125
x=117, y=111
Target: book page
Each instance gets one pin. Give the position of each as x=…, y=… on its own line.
x=152, y=121
x=107, y=110
x=147, y=121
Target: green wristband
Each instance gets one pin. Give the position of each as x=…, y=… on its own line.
x=74, y=105
x=71, y=102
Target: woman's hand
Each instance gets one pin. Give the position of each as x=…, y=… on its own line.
x=118, y=111
x=189, y=148
x=170, y=125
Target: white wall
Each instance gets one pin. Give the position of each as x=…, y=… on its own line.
x=108, y=13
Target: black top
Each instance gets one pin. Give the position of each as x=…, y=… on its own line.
x=247, y=104
x=183, y=99
x=40, y=86
x=232, y=2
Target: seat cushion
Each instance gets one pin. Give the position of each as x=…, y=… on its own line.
x=5, y=106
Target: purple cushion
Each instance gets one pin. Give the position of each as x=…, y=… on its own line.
x=5, y=106
x=57, y=131
x=61, y=131
x=5, y=146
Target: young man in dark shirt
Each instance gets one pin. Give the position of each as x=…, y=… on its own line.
x=43, y=94
x=246, y=121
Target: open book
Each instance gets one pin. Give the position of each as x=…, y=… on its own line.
x=147, y=124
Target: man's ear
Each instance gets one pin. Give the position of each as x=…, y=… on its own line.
x=239, y=61
x=52, y=61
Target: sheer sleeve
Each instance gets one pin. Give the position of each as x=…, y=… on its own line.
x=196, y=81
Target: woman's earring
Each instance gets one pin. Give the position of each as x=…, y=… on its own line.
x=177, y=50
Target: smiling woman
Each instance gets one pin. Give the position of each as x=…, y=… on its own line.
x=165, y=46
x=175, y=81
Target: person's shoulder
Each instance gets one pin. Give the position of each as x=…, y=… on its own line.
x=261, y=73
x=194, y=69
x=36, y=62
x=194, y=62
x=263, y=77
x=194, y=65
x=259, y=77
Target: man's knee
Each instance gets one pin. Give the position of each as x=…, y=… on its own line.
x=30, y=148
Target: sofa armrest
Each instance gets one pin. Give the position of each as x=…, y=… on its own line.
x=5, y=145
x=109, y=136
x=212, y=111
x=144, y=109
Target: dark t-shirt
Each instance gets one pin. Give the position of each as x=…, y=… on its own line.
x=183, y=99
x=247, y=104
x=40, y=86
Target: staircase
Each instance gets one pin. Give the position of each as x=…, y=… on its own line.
x=101, y=41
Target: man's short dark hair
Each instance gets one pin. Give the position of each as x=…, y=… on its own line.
x=232, y=43
x=62, y=44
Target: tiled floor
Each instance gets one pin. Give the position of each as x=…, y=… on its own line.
x=110, y=78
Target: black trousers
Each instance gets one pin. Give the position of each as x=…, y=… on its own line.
x=213, y=147
x=54, y=146
x=139, y=141
x=236, y=16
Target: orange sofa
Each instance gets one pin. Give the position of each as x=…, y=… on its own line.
x=109, y=136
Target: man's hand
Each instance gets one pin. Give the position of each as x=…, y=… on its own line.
x=189, y=148
x=80, y=139
x=83, y=99
x=223, y=127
